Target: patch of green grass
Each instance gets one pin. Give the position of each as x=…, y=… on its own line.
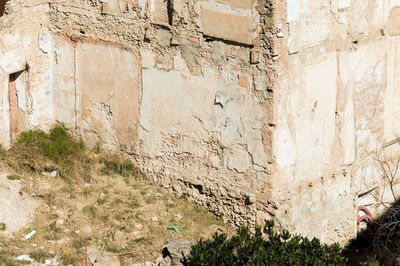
x=3, y=227
x=6, y=261
x=13, y=177
x=2, y=151
x=114, y=164
x=58, y=145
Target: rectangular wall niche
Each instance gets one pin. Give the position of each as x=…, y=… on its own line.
x=18, y=88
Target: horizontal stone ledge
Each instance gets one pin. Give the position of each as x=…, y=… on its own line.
x=227, y=26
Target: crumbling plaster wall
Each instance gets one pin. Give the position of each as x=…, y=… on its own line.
x=335, y=106
x=24, y=48
x=254, y=109
x=181, y=86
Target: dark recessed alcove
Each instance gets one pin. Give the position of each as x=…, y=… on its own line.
x=2, y=7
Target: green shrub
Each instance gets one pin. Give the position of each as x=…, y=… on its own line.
x=279, y=249
x=13, y=177
x=57, y=145
x=3, y=227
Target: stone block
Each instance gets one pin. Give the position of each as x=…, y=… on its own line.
x=227, y=26
x=246, y=4
x=110, y=7
x=239, y=161
x=159, y=11
x=394, y=21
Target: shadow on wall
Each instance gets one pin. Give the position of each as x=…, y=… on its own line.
x=2, y=7
x=379, y=243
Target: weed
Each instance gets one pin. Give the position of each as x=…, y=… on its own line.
x=87, y=191
x=116, y=202
x=81, y=242
x=151, y=199
x=112, y=246
x=2, y=151
x=101, y=201
x=197, y=209
x=134, y=203
x=57, y=145
x=13, y=177
x=58, y=150
x=53, y=232
x=182, y=196
x=114, y=164
x=3, y=227
x=69, y=259
x=39, y=255
x=97, y=148
x=138, y=215
x=6, y=261
x=91, y=210
x=139, y=240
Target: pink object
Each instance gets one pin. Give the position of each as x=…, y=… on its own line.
x=368, y=215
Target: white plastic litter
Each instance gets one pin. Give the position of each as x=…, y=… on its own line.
x=25, y=257
x=30, y=234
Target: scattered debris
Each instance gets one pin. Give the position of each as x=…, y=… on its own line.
x=30, y=234
x=53, y=174
x=173, y=227
x=86, y=229
x=24, y=257
x=154, y=219
x=178, y=216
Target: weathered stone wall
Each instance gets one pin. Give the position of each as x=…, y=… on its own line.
x=335, y=105
x=256, y=109
x=24, y=50
x=181, y=86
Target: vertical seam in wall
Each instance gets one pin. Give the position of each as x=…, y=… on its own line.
x=75, y=90
x=8, y=115
x=337, y=81
x=140, y=79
